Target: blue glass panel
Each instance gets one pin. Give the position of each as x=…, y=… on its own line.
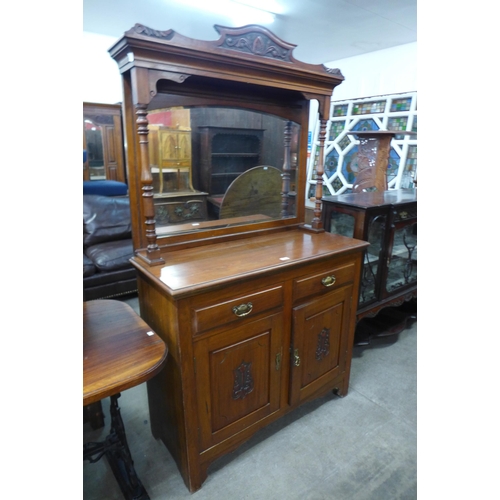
x=350, y=165
x=368, y=124
x=393, y=165
x=331, y=162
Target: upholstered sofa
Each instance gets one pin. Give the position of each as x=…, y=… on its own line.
x=107, y=247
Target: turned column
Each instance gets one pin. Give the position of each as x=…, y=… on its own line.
x=286, y=169
x=317, y=222
x=153, y=251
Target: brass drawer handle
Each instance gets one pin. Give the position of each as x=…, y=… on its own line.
x=329, y=280
x=296, y=358
x=243, y=309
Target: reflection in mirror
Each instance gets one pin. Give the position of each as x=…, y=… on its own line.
x=217, y=166
x=95, y=151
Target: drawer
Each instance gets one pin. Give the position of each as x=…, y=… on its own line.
x=237, y=309
x=176, y=163
x=323, y=282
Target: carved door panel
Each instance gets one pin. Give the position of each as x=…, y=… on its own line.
x=320, y=333
x=238, y=375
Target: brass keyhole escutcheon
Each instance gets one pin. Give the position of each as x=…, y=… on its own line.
x=243, y=309
x=296, y=357
x=329, y=280
x=278, y=361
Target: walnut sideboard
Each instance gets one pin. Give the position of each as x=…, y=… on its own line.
x=254, y=328
x=257, y=309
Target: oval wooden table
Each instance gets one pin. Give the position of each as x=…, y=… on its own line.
x=120, y=351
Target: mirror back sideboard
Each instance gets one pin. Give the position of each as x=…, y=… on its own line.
x=257, y=309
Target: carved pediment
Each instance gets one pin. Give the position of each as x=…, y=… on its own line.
x=140, y=29
x=255, y=40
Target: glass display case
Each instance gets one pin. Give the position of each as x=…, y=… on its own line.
x=388, y=221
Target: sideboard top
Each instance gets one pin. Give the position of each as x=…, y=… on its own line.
x=374, y=198
x=191, y=270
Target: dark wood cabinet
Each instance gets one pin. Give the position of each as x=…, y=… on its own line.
x=388, y=221
x=225, y=153
x=258, y=312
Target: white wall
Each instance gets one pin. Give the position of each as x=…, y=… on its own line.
x=101, y=82
x=388, y=71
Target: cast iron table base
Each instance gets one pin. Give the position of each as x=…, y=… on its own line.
x=117, y=452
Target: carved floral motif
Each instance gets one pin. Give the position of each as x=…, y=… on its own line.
x=323, y=345
x=243, y=381
x=140, y=29
x=258, y=44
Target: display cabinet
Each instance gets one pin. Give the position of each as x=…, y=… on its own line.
x=225, y=153
x=388, y=221
x=258, y=310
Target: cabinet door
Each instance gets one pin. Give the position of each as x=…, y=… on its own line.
x=319, y=348
x=401, y=269
x=238, y=375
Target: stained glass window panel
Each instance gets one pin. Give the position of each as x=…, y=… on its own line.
x=368, y=124
x=365, y=108
x=397, y=123
x=340, y=110
x=401, y=104
x=335, y=129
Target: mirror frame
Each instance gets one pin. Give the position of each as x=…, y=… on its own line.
x=248, y=68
